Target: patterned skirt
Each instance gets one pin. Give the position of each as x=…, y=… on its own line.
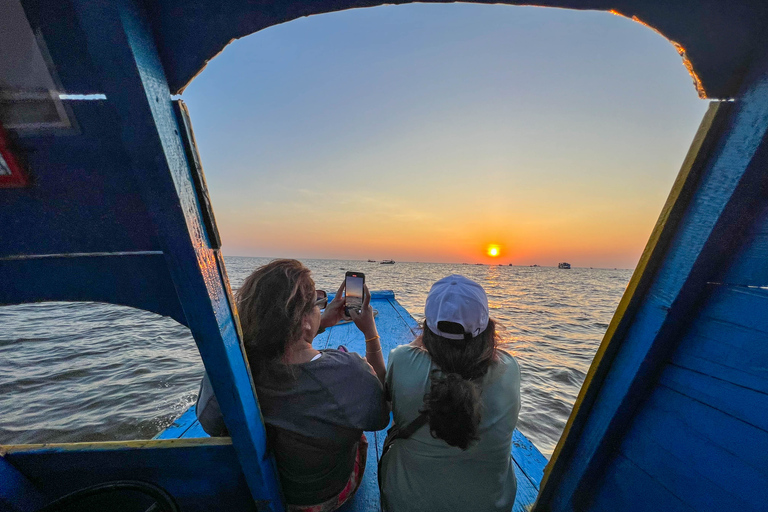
x=348, y=491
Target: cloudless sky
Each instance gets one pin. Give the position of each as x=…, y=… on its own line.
x=427, y=132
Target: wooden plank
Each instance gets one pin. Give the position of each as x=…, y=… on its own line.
x=195, y=432
x=756, y=378
x=627, y=487
x=682, y=413
x=726, y=342
x=698, y=471
x=749, y=267
x=201, y=476
x=391, y=327
x=742, y=403
x=528, y=457
x=179, y=425
x=17, y=493
x=526, y=491
x=728, y=338
x=113, y=446
x=406, y=317
x=740, y=305
x=122, y=46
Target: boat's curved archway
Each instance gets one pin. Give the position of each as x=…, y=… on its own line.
x=259, y=210
x=714, y=39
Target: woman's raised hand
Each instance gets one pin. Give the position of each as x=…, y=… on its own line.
x=364, y=319
x=334, y=311
x=367, y=325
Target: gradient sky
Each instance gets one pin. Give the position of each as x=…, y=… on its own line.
x=427, y=132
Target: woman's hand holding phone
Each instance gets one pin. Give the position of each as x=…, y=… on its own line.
x=334, y=311
x=365, y=322
x=364, y=319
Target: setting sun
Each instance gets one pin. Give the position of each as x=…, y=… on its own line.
x=493, y=251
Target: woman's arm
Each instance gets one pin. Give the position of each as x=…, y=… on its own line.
x=367, y=325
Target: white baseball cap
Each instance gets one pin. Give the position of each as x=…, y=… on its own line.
x=460, y=300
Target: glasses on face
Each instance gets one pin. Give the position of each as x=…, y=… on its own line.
x=321, y=299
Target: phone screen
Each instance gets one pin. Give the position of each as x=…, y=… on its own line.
x=354, y=290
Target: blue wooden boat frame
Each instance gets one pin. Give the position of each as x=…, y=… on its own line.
x=671, y=414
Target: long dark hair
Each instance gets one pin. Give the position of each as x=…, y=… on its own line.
x=453, y=403
x=271, y=304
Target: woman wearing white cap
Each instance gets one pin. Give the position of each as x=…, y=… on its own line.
x=455, y=400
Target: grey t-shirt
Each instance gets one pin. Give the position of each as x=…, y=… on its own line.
x=315, y=421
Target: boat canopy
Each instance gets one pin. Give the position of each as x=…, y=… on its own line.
x=715, y=38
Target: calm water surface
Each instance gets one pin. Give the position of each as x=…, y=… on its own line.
x=95, y=372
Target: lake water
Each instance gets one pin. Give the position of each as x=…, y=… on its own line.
x=96, y=372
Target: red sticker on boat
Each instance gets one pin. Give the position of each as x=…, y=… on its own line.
x=11, y=174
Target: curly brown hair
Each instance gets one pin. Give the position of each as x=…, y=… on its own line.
x=271, y=304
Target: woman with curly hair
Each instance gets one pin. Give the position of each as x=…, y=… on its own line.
x=315, y=403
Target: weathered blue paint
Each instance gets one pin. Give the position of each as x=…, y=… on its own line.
x=529, y=458
x=180, y=426
x=201, y=477
x=627, y=487
x=17, y=493
x=687, y=457
x=83, y=198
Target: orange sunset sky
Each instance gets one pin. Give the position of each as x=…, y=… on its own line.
x=428, y=132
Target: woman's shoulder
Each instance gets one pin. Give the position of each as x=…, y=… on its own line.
x=507, y=365
x=504, y=357
x=405, y=354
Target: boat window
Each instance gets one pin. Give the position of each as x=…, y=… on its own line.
x=83, y=371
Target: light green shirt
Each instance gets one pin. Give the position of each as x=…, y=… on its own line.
x=425, y=474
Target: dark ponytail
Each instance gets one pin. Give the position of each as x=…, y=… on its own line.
x=454, y=404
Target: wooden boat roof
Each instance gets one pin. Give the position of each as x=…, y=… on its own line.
x=716, y=38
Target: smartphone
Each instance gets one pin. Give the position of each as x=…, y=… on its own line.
x=354, y=282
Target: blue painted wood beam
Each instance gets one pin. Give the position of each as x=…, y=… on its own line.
x=139, y=280
x=690, y=249
x=122, y=48
x=17, y=493
x=202, y=475
x=716, y=37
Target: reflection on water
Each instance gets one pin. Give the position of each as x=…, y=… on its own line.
x=78, y=372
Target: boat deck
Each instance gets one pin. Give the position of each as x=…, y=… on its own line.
x=396, y=327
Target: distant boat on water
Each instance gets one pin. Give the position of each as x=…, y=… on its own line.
x=564, y=265
x=387, y=262
x=371, y=261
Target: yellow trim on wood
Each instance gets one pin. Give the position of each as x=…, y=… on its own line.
x=117, y=445
x=623, y=309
